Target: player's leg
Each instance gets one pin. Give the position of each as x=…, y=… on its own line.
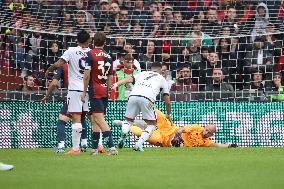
x=75, y=109
x=100, y=143
x=132, y=110
x=6, y=167
x=98, y=107
x=149, y=116
x=84, y=140
x=61, y=124
x=95, y=136
x=154, y=139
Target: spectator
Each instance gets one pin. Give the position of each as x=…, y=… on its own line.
x=166, y=73
x=102, y=16
x=219, y=90
x=206, y=69
x=53, y=53
x=149, y=57
x=122, y=25
x=272, y=40
x=178, y=27
x=27, y=85
x=84, y=21
x=212, y=24
x=114, y=12
x=25, y=90
x=231, y=20
x=168, y=14
x=138, y=13
x=127, y=49
x=261, y=20
x=259, y=58
x=228, y=59
x=125, y=70
x=189, y=9
x=180, y=90
x=257, y=81
x=191, y=54
x=154, y=27
x=36, y=49
x=276, y=85
x=197, y=30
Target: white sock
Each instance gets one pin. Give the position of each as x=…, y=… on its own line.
x=146, y=134
x=61, y=144
x=125, y=127
x=84, y=142
x=101, y=139
x=76, y=135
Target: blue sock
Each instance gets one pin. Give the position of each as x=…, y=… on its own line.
x=61, y=130
x=95, y=139
x=85, y=127
x=108, y=137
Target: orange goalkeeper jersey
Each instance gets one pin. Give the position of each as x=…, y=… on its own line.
x=192, y=137
x=166, y=130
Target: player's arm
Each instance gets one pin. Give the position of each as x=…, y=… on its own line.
x=86, y=77
x=51, y=88
x=56, y=65
x=86, y=80
x=168, y=105
x=167, y=100
x=128, y=79
x=218, y=145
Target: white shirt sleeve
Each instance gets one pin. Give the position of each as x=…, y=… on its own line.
x=165, y=86
x=66, y=55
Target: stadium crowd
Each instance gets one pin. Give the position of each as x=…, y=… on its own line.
x=204, y=45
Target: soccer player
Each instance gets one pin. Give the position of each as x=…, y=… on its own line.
x=6, y=167
x=61, y=74
x=98, y=76
x=75, y=57
x=147, y=86
x=168, y=134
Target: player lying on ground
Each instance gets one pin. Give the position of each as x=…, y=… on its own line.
x=167, y=134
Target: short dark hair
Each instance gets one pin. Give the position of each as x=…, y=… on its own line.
x=156, y=65
x=83, y=36
x=99, y=39
x=128, y=57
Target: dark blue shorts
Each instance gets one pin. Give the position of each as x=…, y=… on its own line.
x=98, y=105
x=64, y=109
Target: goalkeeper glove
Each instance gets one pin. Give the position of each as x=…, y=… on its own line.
x=233, y=145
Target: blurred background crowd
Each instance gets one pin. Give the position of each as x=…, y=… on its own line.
x=222, y=49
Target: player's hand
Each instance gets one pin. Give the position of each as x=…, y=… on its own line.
x=43, y=100
x=46, y=73
x=83, y=97
x=233, y=145
x=114, y=86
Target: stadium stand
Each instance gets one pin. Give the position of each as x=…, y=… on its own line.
x=242, y=39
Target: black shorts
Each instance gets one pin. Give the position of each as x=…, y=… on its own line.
x=98, y=105
x=64, y=109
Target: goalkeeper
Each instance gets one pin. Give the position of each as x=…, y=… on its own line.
x=169, y=135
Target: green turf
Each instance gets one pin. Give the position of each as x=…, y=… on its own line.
x=196, y=168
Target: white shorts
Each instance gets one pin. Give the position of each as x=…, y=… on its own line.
x=75, y=105
x=137, y=104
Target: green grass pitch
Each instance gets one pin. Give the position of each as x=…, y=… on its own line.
x=182, y=168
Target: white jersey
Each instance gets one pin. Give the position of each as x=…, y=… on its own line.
x=149, y=84
x=75, y=57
